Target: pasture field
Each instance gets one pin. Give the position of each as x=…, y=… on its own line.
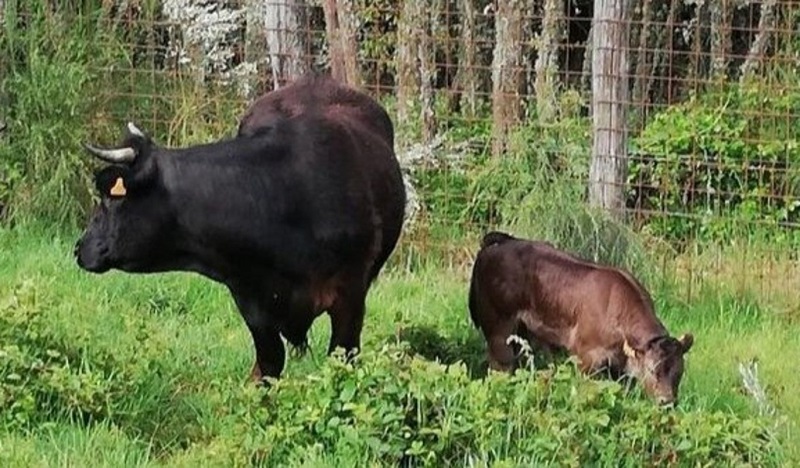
x=125, y=370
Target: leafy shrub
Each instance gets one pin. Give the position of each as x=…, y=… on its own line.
x=393, y=408
x=476, y=189
x=42, y=378
x=717, y=160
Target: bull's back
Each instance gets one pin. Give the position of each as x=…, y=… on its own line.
x=314, y=92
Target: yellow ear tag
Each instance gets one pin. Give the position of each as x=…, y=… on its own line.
x=626, y=348
x=118, y=190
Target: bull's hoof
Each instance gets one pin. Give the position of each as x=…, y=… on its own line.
x=255, y=374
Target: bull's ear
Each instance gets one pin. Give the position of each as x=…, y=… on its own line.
x=686, y=340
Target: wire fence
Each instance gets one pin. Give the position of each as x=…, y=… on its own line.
x=679, y=118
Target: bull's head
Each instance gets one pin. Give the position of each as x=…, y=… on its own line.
x=658, y=365
x=125, y=227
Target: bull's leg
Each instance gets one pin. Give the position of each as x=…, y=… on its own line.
x=347, y=320
x=270, y=351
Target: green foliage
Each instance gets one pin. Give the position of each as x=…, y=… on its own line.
x=42, y=378
x=53, y=59
x=393, y=408
x=68, y=81
x=151, y=371
x=720, y=164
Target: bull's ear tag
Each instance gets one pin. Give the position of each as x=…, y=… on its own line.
x=118, y=190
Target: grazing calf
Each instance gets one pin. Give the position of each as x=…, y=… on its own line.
x=598, y=313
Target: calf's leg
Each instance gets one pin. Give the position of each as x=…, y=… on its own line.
x=501, y=353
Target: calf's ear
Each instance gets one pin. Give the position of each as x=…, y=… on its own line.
x=686, y=340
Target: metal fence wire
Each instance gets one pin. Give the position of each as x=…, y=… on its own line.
x=605, y=126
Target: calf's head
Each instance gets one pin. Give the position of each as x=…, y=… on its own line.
x=126, y=226
x=658, y=365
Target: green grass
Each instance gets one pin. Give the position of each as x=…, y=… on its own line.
x=162, y=362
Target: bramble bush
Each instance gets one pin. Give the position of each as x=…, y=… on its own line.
x=722, y=160
x=391, y=407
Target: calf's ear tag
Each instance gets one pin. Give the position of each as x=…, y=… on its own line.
x=118, y=190
x=626, y=348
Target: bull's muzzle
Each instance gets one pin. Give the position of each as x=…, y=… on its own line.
x=91, y=256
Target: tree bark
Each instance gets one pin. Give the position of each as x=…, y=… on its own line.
x=466, y=76
x=696, y=62
x=285, y=24
x=343, y=51
x=547, y=60
x=662, y=57
x=586, y=69
x=255, y=45
x=348, y=25
x=427, y=70
x=721, y=20
x=760, y=45
x=507, y=72
x=407, y=75
x=609, y=103
x=642, y=74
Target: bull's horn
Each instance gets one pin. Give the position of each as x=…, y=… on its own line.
x=120, y=155
x=134, y=130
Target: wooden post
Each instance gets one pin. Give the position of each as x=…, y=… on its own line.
x=286, y=29
x=609, y=105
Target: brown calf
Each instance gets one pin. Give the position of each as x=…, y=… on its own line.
x=600, y=314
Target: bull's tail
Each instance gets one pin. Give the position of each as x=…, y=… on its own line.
x=495, y=237
x=472, y=302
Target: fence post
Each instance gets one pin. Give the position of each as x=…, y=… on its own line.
x=609, y=106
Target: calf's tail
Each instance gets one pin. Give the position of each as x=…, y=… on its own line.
x=495, y=237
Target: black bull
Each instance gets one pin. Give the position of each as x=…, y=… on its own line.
x=296, y=215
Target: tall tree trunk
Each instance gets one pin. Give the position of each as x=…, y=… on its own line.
x=427, y=69
x=348, y=25
x=696, y=62
x=285, y=23
x=406, y=58
x=547, y=60
x=663, y=50
x=340, y=29
x=721, y=19
x=609, y=102
x=507, y=72
x=586, y=69
x=642, y=74
x=466, y=76
x=760, y=45
x=255, y=45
